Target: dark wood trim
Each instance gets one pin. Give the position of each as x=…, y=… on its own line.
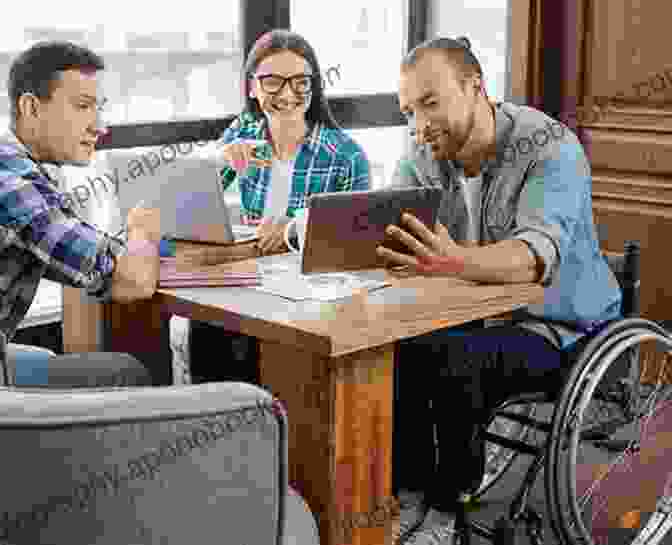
x=521, y=47
x=554, y=33
x=418, y=19
x=164, y=133
x=352, y=112
x=563, y=25
x=258, y=17
x=367, y=111
x=567, y=32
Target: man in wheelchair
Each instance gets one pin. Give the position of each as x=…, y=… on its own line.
x=517, y=208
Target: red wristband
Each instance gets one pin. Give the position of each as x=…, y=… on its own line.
x=441, y=264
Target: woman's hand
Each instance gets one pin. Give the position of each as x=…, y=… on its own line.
x=241, y=153
x=272, y=236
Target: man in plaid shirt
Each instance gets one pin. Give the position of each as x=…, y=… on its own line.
x=55, y=103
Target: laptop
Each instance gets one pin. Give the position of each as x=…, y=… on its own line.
x=343, y=229
x=192, y=202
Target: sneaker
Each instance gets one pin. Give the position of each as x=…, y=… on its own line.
x=412, y=511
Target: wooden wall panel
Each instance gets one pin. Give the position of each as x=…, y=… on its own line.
x=623, y=94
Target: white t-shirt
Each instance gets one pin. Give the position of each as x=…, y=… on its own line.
x=471, y=188
x=277, y=198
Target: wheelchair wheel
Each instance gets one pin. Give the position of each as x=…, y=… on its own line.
x=498, y=458
x=609, y=467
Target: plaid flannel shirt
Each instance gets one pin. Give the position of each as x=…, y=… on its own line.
x=42, y=236
x=327, y=161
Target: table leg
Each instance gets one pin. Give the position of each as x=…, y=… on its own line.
x=143, y=330
x=82, y=322
x=340, y=437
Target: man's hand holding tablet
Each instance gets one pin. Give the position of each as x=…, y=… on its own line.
x=344, y=230
x=433, y=252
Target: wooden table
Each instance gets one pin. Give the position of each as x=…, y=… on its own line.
x=332, y=365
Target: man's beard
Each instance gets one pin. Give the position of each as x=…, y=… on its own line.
x=451, y=142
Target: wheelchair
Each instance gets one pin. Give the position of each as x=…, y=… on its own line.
x=600, y=421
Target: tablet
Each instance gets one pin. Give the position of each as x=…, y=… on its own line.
x=344, y=229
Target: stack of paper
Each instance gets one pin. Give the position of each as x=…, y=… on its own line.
x=175, y=274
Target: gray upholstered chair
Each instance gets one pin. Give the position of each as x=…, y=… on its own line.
x=201, y=465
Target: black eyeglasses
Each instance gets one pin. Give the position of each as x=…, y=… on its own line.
x=301, y=84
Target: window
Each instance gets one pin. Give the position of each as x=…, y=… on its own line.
x=163, y=63
x=384, y=146
x=359, y=45
x=174, y=75
x=484, y=22
x=360, y=52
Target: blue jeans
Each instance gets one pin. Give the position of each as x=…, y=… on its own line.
x=31, y=363
x=32, y=366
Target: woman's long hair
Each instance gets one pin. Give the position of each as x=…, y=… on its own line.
x=277, y=41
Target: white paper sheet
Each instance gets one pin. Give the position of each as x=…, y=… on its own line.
x=316, y=287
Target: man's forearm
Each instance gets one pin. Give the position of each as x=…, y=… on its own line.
x=136, y=274
x=505, y=262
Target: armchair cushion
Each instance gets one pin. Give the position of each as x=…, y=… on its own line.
x=202, y=465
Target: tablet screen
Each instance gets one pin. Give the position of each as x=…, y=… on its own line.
x=344, y=229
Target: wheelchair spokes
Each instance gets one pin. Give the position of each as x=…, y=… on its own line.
x=613, y=443
x=608, y=475
x=497, y=457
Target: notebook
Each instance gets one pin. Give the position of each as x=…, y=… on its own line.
x=174, y=274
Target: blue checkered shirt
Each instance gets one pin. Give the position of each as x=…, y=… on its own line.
x=327, y=161
x=41, y=236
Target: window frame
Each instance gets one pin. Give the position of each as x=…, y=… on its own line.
x=361, y=111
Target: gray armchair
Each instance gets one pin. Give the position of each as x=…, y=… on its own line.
x=201, y=465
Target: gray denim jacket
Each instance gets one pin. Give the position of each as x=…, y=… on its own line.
x=537, y=189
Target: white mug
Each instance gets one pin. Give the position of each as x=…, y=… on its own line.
x=299, y=222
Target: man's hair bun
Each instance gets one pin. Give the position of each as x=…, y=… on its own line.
x=464, y=41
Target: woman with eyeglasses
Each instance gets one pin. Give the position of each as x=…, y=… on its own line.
x=305, y=153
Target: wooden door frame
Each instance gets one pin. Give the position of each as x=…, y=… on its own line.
x=524, y=55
